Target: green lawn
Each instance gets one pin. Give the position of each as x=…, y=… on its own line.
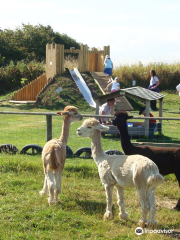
x=26, y=215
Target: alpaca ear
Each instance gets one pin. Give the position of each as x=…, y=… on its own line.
x=60, y=113
x=102, y=127
x=63, y=113
x=66, y=113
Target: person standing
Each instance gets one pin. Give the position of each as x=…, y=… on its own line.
x=108, y=67
x=153, y=86
x=105, y=109
x=152, y=122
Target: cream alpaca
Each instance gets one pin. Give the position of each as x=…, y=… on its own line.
x=54, y=156
x=123, y=171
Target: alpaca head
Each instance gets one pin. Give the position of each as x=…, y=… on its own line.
x=120, y=118
x=72, y=113
x=89, y=127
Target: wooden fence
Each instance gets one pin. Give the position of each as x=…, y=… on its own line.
x=54, y=60
x=30, y=91
x=88, y=60
x=49, y=116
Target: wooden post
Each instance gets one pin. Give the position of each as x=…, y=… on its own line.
x=160, y=112
x=48, y=127
x=147, y=120
x=97, y=106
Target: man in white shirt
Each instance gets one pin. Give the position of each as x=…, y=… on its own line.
x=105, y=109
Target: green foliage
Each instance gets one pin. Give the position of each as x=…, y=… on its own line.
x=168, y=74
x=1, y=60
x=29, y=42
x=11, y=76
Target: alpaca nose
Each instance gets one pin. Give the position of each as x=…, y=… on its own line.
x=78, y=131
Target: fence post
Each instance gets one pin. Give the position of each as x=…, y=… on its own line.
x=160, y=113
x=147, y=120
x=48, y=127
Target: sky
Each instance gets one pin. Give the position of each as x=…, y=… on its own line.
x=136, y=30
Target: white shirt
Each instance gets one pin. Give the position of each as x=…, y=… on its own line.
x=178, y=88
x=154, y=80
x=115, y=85
x=106, y=109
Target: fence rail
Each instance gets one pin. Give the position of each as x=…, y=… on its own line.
x=50, y=114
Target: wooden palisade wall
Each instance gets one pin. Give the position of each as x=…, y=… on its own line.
x=54, y=60
x=96, y=59
x=88, y=60
x=30, y=91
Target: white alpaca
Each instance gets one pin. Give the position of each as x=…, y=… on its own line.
x=123, y=171
x=54, y=156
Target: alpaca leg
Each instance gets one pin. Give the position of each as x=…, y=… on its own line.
x=109, y=200
x=58, y=176
x=177, y=174
x=51, y=187
x=143, y=199
x=120, y=196
x=151, y=198
x=45, y=187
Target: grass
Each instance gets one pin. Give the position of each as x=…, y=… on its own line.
x=26, y=215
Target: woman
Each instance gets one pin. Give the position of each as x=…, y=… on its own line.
x=154, y=83
x=105, y=109
x=108, y=67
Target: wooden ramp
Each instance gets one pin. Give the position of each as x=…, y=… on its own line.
x=28, y=93
x=102, y=81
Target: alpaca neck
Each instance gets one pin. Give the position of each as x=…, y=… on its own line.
x=124, y=137
x=96, y=146
x=65, y=130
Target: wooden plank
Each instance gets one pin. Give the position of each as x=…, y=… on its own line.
x=101, y=81
x=62, y=53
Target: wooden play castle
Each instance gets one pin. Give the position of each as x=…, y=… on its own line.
x=88, y=60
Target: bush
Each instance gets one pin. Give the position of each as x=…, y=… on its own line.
x=11, y=76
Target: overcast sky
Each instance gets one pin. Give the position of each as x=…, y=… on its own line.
x=136, y=30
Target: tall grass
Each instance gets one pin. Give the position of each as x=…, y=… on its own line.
x=70, y=62
x=168, y=74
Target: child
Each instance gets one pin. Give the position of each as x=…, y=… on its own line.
x=115, y=85
x=108, y=67
x=152, y=122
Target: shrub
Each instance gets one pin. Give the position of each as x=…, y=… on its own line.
x=11, y=76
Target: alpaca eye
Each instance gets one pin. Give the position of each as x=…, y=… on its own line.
x=89, y=127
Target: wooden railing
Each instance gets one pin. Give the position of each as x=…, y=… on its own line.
x=30, y=91
x=49, y=116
